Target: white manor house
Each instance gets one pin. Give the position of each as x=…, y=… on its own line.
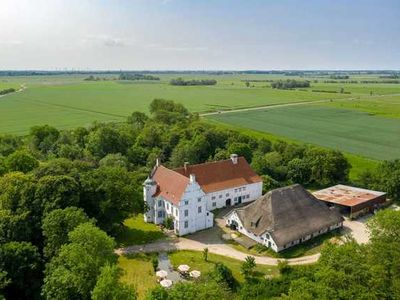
x=189, y=194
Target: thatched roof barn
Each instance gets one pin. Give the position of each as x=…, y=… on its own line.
x=285, y=217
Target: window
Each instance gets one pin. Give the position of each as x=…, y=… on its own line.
x=159, y=203
x=176, y=212
x=248, y=196
x=220, y=196
x=214, y=204
x=186, y=224
x=186, y=212
x=227, y=195
x=213, y=198
x=186, y=202
x=235, y=199
x=198, y=199
x=199, y=209
x=244, y=188
x=160, y=214
x=167, y=205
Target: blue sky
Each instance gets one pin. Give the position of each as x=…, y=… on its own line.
x=202, y=34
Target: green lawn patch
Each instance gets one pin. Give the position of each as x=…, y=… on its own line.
x=138, y=271
x=138, y=232
x=196, y=262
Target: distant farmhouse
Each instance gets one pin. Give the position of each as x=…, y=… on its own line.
x=188, y=194
x=284, y=217
x=351, y=201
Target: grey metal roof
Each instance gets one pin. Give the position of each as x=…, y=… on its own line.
x=288, y=214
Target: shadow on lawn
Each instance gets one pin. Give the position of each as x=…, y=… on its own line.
x=132, y=236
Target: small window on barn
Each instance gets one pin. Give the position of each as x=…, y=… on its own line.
x=186, y=224
x=199, y=209
x=214, y=204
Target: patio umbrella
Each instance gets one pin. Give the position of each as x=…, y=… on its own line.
x=161, y=273
x=195, y=274
x=183, y=268
x=166, y=283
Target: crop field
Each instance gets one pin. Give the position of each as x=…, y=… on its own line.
x=348, y=130
x=69, y=101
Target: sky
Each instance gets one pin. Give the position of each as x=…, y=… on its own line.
x=199, y=35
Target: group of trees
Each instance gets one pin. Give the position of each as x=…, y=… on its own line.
x=181, y=81
x=7, y=91
x=290, y=84
x=64, y=194
x=135, y=76
x=338, y=76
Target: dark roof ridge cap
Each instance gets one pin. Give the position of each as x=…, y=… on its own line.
x=207, y=163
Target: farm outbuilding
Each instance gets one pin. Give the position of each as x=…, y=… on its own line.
x=351, y=201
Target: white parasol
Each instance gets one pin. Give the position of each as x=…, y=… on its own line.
x=161, y=274
x=183, y=268
x=195, y=274
x=166, y=283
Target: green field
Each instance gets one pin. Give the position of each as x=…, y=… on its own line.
x=68, y=101
x=347, y=130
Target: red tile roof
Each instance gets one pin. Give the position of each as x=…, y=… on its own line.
x=211, y=176
x=170, y=184
x=221, y=175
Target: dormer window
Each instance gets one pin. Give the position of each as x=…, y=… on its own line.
x=198, y=199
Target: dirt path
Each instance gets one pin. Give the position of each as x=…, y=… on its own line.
x=218, y=248
x=271, y=106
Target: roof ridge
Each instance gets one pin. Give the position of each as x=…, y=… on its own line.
x=207, y=163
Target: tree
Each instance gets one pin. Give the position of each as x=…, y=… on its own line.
x=386, y=177
x=298, y=171
x=14, y=226
x=21, y=261
x=110, y=195
x=57, y=191
x=9, y=143
x=106, y=140
x=57, y=225
x=21, y=161
x=205, y=254
x=3, y=167
x=138, y=119
x=223, y=275
x=157, y=293
x=109, y=287
x=73, y=273
x=241, y=149
x=248, y=266
x=114, y=160
x=43, y=138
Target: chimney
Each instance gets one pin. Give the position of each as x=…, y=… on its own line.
x=192, y=178
x=157, y=162
x=234, y=158
x=185, y=165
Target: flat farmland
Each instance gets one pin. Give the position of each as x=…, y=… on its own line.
x=67, y=101
x=77, y=103
x=348, y=130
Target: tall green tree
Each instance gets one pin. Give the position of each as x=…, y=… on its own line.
x=22, y=262
x=73, y=273
x=56, y=226
x=21, y=161
x=109, y=287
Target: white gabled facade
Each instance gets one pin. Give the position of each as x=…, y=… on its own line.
x=192, y=211
x=232, y=220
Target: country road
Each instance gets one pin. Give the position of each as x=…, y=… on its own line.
x=271, y=106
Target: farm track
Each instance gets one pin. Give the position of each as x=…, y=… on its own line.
x=271, y=106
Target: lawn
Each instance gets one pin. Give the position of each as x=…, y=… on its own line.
x=347, y=130
x=137, y=232
x=138, y=271
x=196, y=262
